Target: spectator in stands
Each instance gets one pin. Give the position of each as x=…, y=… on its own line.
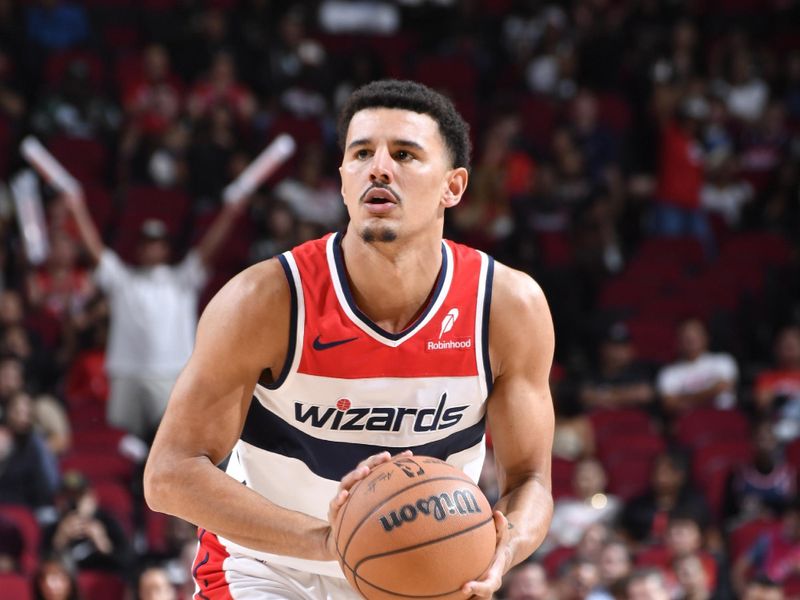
x=777, y=390
x=775, y=554
x=692, y=579
x=312, y=197
x=764, y=145
x=646, y=584
x=19, y=416
x=762, y=588
x=597, y=144
x=153, y=313
x=615, y=564
x=699, y=377
x=60, y=287
x=280, y=231
x=221, y=88
x=154, y=584
x=685, y=537
x=645, y=518
x=763, y=487
x=75, y=108
x=84, y=534
x=153, y=101
x=527, y=581
x=590, y=503
x=619, y=381
x=579, y=577
x=53, y=580
x=725, y=195
x=745, y=93
x=680, y=176
x=27, y=469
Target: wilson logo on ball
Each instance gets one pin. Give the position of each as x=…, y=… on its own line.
x=459, y=502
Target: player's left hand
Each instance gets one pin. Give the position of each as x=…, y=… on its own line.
x=492, y=578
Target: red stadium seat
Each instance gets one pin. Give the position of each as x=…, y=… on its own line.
x=104, y=439
x=628, y=460
x=23, y=517
x=712, y=465
x=99, y=467
x=98, y=585
x=619, y=421
x=455, y=75
x=653, y=338
x=15, y=587
x=562, y=472
x=85, y=158
x=687, y=251
x=614, y=112
x=702, y=426
x=793, y=453
x=116, y=499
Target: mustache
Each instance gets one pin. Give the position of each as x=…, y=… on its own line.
x=380, y=186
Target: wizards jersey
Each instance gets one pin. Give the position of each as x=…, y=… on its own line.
x=349, y=389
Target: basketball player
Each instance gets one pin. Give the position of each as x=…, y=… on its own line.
x=312, y=368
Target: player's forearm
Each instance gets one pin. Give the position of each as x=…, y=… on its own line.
x=529, y=510
x=197, y=491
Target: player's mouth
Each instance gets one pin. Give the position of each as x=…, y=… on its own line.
x=379, y=199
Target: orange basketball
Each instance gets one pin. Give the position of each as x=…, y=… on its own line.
x=416, y=527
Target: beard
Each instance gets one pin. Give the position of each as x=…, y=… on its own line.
x=373, y=235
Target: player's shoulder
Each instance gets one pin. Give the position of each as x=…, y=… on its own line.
x=259, y=291
x=516, y=291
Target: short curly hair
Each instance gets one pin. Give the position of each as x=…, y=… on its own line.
x=413, y=96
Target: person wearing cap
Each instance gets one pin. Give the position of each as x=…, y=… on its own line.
x=153, y=311
x=619, y=381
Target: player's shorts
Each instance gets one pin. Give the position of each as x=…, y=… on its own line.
x=219, y=575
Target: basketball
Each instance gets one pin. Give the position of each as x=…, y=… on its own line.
x=415, y=527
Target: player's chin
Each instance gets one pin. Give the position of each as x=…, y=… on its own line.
x=378, y=233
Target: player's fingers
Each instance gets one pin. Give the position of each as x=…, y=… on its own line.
x=376, y=459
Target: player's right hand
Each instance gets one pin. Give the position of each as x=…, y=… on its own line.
x=345, y=485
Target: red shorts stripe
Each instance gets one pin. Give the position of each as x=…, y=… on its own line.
x=207, y=568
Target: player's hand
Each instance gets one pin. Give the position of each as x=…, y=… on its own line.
x=492, y=578
x=345, y=485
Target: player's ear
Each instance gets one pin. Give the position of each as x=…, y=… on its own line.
x=456, y=186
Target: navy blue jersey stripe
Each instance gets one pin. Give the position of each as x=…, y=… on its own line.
x=487, y=305
x=341, y=273
x=333, y=460
x=287, y=364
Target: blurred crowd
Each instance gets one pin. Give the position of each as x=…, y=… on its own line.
x=639, y=158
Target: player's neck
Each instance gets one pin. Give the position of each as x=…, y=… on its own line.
x=391, y=282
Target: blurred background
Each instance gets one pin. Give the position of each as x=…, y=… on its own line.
x=639, y=158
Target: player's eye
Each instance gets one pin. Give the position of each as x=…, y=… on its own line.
x=403, y=155
x=362, y=153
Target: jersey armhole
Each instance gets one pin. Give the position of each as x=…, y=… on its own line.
x=295, y=329
x=483, y=311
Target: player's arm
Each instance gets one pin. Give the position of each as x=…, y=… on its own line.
x=520, y=415
x=243, y=331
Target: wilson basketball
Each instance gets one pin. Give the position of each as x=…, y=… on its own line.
x=416, y=527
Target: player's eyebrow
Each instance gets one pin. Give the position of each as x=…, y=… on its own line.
x=368, y=141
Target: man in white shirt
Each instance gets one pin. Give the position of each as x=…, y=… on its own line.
x=153, y=307
x=699, y=377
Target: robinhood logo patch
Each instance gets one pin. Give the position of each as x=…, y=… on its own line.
x=346, y=417
x=460, y=343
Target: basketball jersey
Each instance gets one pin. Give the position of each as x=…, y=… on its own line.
x=349, y=389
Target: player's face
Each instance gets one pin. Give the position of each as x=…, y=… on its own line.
x=397, y=175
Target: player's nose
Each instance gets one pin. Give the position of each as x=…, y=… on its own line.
x=381, y=167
